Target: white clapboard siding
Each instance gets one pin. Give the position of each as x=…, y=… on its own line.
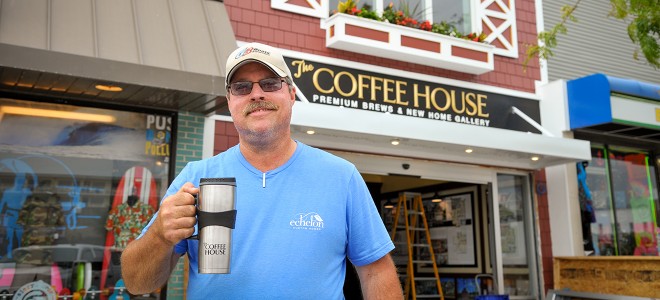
x=597, y=43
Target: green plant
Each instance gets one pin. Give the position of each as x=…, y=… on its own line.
x=406, y=16
x=392, y=16
x=346, y=7
x=350, y=7
x=368, y=13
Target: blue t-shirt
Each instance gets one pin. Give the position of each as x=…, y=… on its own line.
x=275, y=253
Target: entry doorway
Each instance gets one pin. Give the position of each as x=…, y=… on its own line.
x=470, y=234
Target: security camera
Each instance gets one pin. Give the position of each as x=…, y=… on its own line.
x=405, y=166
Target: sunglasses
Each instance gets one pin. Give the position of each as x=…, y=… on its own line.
x=241, y=88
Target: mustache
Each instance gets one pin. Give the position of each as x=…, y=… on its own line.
x=258, y=105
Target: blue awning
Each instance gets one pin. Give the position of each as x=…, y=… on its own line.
x=590, y=99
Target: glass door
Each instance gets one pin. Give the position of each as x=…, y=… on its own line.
x=515, y=261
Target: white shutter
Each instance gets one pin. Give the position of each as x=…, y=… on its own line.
x=313, y=8
x=497, y=18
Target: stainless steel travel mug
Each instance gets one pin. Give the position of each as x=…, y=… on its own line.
x=216, y=217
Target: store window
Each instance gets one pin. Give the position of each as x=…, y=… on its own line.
x=76, y=185
x=455, y=14
x=619, y=202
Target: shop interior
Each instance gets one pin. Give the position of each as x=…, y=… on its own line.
x=455, y=213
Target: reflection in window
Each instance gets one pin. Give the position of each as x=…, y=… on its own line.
x=77, y=184
x=513, y=201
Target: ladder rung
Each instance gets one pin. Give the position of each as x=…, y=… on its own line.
x=421, y=245
x=417, y=228
x=424, y=278
x=414, y=212
x=428, y=296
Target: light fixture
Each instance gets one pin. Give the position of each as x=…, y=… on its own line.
x=311, y=131
x=395, y=142
x=535, y=158
x=108, y=88
x=388, y=205
x=468, y=150
x=59, y=114
x=436, y=198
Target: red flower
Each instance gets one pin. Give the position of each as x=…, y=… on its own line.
x=426, y=25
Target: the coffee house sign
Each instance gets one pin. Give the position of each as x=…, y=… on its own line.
x=337, y=86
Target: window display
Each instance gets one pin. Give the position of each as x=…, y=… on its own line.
x=619, y=202
x=76, y=185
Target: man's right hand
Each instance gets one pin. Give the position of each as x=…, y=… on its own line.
x=176, y=216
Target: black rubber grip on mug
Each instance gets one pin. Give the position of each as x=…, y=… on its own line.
x=224, y=219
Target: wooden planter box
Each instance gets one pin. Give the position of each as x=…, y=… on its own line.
x=382, y=39
x=616, y=275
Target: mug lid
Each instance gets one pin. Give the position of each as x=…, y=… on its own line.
x=222, y=180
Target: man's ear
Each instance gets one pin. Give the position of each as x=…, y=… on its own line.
x=293, y=93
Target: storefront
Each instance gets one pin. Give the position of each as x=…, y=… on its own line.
x=77, y=185
x=440, y=138
x=464, y=126
x=101, y=104
x=618, y=186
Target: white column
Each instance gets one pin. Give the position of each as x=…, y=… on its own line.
x=563, y=202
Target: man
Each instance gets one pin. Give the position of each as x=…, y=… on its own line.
x=280, y=183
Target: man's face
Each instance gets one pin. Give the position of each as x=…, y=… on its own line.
x=260, y=114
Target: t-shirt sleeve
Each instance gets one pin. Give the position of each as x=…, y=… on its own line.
x=368, y=239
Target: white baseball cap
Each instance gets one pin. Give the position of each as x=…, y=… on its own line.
x=257, y=52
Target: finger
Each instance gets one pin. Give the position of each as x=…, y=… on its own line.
x=189, y=188
x=179, y=234
x=185, y=222
x=178, y=199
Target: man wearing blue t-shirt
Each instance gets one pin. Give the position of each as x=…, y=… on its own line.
x=301, y=210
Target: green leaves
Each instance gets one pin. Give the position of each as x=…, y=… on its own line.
x=643, y=29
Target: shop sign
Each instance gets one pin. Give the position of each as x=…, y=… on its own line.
x=326, y=84
x=159, y=130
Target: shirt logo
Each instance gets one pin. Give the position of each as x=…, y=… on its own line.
x=307, y=221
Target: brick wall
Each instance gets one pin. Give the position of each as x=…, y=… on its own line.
x=257, y=21
x=544, y=229
x=190, y=133
x=225, y=136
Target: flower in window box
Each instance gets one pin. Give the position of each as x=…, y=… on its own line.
x=426, y=25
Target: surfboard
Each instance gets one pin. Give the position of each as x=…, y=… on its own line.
x=55, y=278
x=137, y=181
x=79, y=281
x=88, y=276
x=7, y=274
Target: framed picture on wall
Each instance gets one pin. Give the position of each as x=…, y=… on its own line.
x=454, y=230
x=448, y=287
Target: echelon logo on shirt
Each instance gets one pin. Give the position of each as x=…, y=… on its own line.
x=307, y=221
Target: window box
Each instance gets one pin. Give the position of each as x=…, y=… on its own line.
x=382, y=39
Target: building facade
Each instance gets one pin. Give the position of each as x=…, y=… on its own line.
x=445, y=115
x=603, y=95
